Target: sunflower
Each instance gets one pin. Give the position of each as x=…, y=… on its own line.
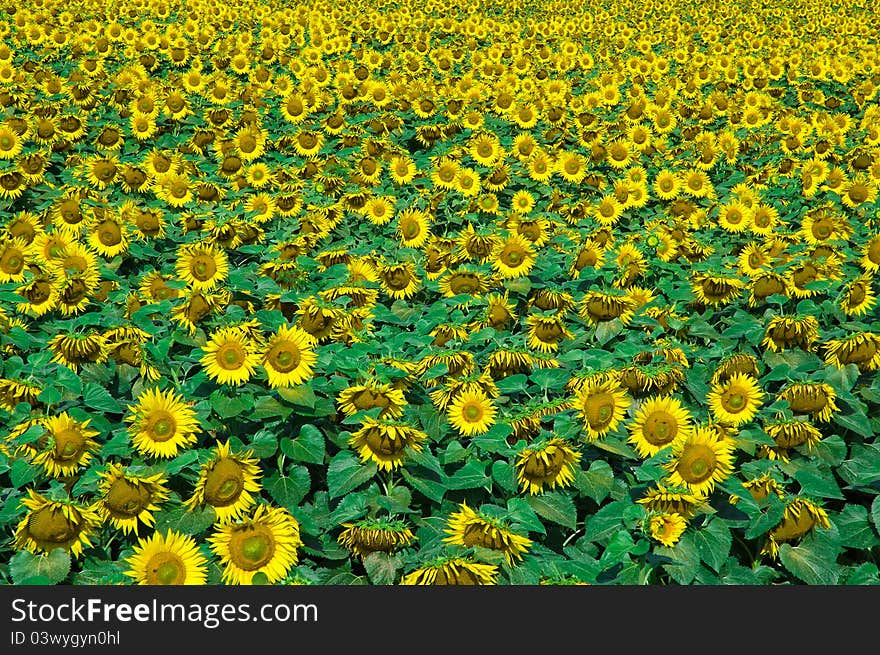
x=471, y=413
x=870, y=260
x=202, y=266
x=715, y=290
x=546, y=332
x=400, y=280
x=372, y=394
x=230, y=357
x=469, y=528
x=737, y=363
x=288, y=356
x=657, y=423
x=766, y=284
x=667, y=528
x=513, y=257
x=379, y=210
x=463, y=281
x=815, y=399
x=170, y=559
x=375, y=536
x=402, y=169
x=598, y=307
x=53, y=524
x=734, y=217
x=522, y=202
x=452, y=571
x=14, y=255
x=760, y=488
x=607, y=210
x=129, y=500
x=602, y=406
x=41, y=295
x=10, y=142
x=792, y=433
x=69, y=446
x=858, y=297
x=444, y=174
x=791, y=331
x=413, y=228
x=860, y=348
x=549, y=465
x=667, y=185
x=701, y=459
x=109, y=236
x=74, y=350
x=384, y=441
x=227, y=483
x=161, y=423
x=673, y=501
x=736, y=400
x=800, y=517
x=13, y=392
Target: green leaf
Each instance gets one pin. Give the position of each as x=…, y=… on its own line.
x=863, y=466
x=855, y=530
x=264, y=444
x=22, y=473
x=595, y=482
x=180, y=519
x=521, y=512
x=504, y=476
x=685, y=559
x=25, y=566
x=382, y=568
x=605, y=522
x=307, y=447
x=289, y=490
x=556, y=507
x=428, y=488
x=301, y=395
x=866, y=574
x=809, y=564
x=229, y=406
x=768, y=519
x=101, y=572
x=816, y=485
x=346, y=473
x=875, y=512
x=470, y=476
x=98, y=398
x=713, y=541
x=616, y=446
x=856, y=422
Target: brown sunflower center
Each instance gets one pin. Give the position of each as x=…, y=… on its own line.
x=734, y=400
x=284, y=356
x=12, y=261
x=161, y=425
x=599, y=409
x=472, y=412
x=49, y=526
x=512, y=255
x=660, y=428
x=109, y=233
x=231, y=356
x=252, y=547
x=125, y=499
x=69, y=444
x=696, y=464
x=165, y=568
x=224, y=482
x=203, y=267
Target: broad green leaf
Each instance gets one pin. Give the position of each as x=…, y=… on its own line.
x=346, y=473
x=98, y=398
x=595, y=482
x=470, y=476
x=289, y=490
x=815, y=485
x=855, y=530
x=713, y=541
x=382, y=568
x=180, y=519
x=307, y=447
x=809, y=565
x=53, y=566
x=556, y=507
x=685, y=559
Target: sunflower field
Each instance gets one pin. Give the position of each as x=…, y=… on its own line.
x=477, y=292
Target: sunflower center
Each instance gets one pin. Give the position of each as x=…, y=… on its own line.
x=545, y=465
x=224, y=483
x=382, y=443
x=165, y=568
x=11, y=262
x=69, y=443
x=203, y=267
x=411, y=229
x=49, y=526
x=161, y=426
x=252, y=547
x=512, y=255
x=109, y=233
x=874, y=252
x=696, y=464
x=231, y=356
x=284, y=357
x=660, y=428
x=472, y=412
x=734, y=400
x=125, y=499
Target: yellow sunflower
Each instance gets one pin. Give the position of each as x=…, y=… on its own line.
x=69, y=445
x=162, y=423
x=289, y=356
x=472, y=413
x=815, y=399
x=372, y=394
x=452, y=571
x=701, y=459
x=860, y=348
x=801, y=516
x=375, y=535
x=257, y=549
x=736, y=400
x=384, y=441
x=399, y=281
x=549, y=465
x=227, y=482
x=469, y=528
x=602, y=406
x=170, y=559
x=129, y=500
x=230, y=357
x=657, y=423
x=513, y=257
x=413, y=228
x=546, y=332
x=202, y=266
x=53, y=524
x=667, y=528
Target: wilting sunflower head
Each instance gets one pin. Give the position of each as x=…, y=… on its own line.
x=801, y=516
x=384, y=441
x=737, y=400
x=737, y=363
x=657, y=423
x=371, y=535
x=548, y=465
x=52, y=524
x=129, y=500
x=760, y=488
x=602, y=406
x=371, y=395
x=259, y=548
x=679, y=501
x=598, y=307
x=69, y=445
x=227, y=483
x=167, y=559
x=452, y=571
x=715, y=290
x=74, y=350
x=861, y=349
x=858, y=297
x=791, y=433
x=700, y=460
x=667, y=528
x=791, y=331
x=162, y=423
x=815, y=399
x=13, y=392
x=545, y=332
x=469, y=528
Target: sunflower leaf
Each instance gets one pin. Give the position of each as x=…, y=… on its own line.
x=98, y=398
x=855, y=530
x=307, y=447
x=713, y=541
x=346, y=473
x=556, y=507
x=596, y=482
x=382, y=568
x=808, y=564
x=875, y=513
x=26, y=567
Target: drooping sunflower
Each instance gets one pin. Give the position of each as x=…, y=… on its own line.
x=128, y=500
x=452, y=571
x=53, y=524
x=701, y=459
x=172, y=558
x=736, y=400
x=230, y=357
x=791, y=331
x=870, y=260
x=858, y=297
x=400, y=280
x=471, y=413
x=384, y=441
x=657, y=423
x=370, y=395
x=602, y=406
x=791, y=433
x=545, y=332
x=70, y=445
x=742, y=363
x=469, y=528
x=15, y=391
x=679, y=501
x=715, y=290
x=75, y=350
x=513, y=257
x=375, y=535
x=550, y=464
x=815, y=399
x=801, y=516
x=667, y=528
x=860, y=348
x=227, y=482
x=598, y=307
x=162, y=423
x=203, y=266
x=259, y=548
x=288, y=356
